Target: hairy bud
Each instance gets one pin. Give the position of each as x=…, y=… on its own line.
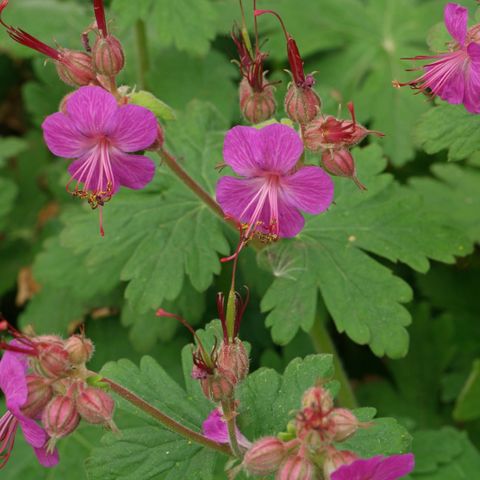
x=40, y=393
x=75, y=68
x=54, y=360
x=108, y=56
x=335, y=459
x=296, y=467
x=79, y=348
x=302, y=104
x=318, y=398
x=341, y=164
x=265, y=456
x=220, y=386
x=233, y=357
x=60, y=418
x=96, y=406
x=344, y=423
x=256, y=106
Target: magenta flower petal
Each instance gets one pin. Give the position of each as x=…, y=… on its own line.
x=310, y=189
x=376, y=468
x=281, y=148
x=132, y=171
x=472, y=81
x=34, y=434
x=12, y=380
x=237, y=196
x=46, y=459
x=91, y=110
x=456, y=19
x=290, y=220
x=242, y=150
x=62, y=138
x=135, y=128
x=215, y=428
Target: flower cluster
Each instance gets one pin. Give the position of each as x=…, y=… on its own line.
x=311, y=447
x=96, y=125
x=454, y=75
x=48, y=392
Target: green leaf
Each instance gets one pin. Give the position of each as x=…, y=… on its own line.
x=146, y=449
x=51, y=21
x=449, y=127
x=8, y=192
x=468, y=403
x=10, y=147
x=145, y=99
x=444, y=455
x=453, y=195
x=362, y=295
x=72, y=450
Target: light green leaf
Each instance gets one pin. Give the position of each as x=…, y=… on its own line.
x=145, y=99
x=10, y=147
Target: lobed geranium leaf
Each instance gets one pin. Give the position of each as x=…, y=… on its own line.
x=449, y=127
x=362, y=295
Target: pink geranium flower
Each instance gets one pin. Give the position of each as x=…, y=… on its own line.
x=376, y=468
x=268, y=199
x=455, y=75
x=215, y=428
x=13, y=368
x=102, y=136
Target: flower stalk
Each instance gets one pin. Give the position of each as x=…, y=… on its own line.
x=164, y=419
x=229, y=415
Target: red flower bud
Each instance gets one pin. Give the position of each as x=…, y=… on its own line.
x=302, y=104
x=265, y=456
x=296, y=467
x=75, y=68
x=335, y=459
x=318, y=398
x=233, y=357
x=60, y=418
x=53, y=360
x=108, y=56
x=96, y=406
x=341, y=164
x=256, y=106
x=344, y=423
x=79, y=348
x=40, y=392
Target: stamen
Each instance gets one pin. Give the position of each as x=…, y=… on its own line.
x=8, y=429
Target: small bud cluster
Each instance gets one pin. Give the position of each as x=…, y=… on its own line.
x=59, y=394
x=311, y=449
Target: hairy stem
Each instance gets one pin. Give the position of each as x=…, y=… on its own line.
x=323, y=343
x=143, y=63
x=164, y=419
x=229, y=416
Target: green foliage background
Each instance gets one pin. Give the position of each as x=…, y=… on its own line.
x=393, y=273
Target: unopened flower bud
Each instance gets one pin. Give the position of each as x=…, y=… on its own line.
x=341, y=164
x=108, y=56
x=233, y=357
x=79, y=348
x=344, y=423
x=60, y=418
x=302, y=104
x=96, y=406
x=335, y=459
x=40, y=393
x=318, y=398
x=296, y=467
x=75, y=68
x=54, y=360
x=256, y=106
x=219, y=386
x=265, y=456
